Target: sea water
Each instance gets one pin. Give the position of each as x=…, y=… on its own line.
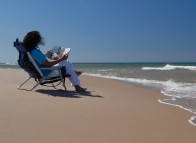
x=176, y=80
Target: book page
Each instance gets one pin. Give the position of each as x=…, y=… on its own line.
x=65, y=50
x=58, y=51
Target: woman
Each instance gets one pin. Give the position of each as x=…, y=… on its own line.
x=32, y=40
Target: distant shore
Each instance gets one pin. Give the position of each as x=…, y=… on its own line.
x=110, y=112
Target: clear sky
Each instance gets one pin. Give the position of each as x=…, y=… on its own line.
x=104, y=30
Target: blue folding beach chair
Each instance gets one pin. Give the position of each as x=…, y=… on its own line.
x=27, y=63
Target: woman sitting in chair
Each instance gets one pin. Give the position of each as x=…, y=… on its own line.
x=31, y=42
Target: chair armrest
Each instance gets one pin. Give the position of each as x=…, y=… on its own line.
x=52, y=68
x=61, y=70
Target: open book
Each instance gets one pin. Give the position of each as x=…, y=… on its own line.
x=57, y=52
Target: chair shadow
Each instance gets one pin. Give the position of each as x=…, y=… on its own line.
x=67, y=94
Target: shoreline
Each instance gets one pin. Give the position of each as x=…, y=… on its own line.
x=190, y=120
x=112, y=111
x=167, y=97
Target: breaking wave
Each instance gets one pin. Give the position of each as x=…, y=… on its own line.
x=170, y=67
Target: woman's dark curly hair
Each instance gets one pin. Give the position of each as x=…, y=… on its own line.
x=32, y=40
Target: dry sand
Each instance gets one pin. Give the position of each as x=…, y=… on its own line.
x=111, y=112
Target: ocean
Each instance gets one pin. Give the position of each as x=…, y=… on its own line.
x=175, y=80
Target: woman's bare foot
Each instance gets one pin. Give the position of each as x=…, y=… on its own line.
x=80, y=89
x=78, y=72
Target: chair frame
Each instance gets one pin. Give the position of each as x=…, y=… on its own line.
x=43, y=78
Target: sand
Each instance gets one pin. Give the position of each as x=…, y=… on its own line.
x=110, y=112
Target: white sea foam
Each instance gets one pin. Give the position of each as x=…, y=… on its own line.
x=192, y=120
x=164, y=101
x=105, y=70
x=169, y=88
x=170, y=67
x=9, y=64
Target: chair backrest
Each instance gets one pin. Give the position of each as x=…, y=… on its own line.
x=26, y=62
x=34, y=64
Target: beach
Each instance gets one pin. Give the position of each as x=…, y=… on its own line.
x=110, y=112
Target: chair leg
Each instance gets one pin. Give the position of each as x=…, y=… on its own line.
x=54, y=86
x=63, y=82
x=23, y=82
x=34, y=86
x=38, y=83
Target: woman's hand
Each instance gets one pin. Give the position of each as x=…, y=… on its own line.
x=54, y=61
x=49, y=54
x=64, y=56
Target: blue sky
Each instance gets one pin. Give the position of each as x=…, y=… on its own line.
x=104, y=30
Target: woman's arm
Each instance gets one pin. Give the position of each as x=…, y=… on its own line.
x=54, y=62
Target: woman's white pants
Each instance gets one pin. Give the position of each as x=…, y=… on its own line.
x=69, y=70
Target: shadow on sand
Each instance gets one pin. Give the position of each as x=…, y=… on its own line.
x=67, y=94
